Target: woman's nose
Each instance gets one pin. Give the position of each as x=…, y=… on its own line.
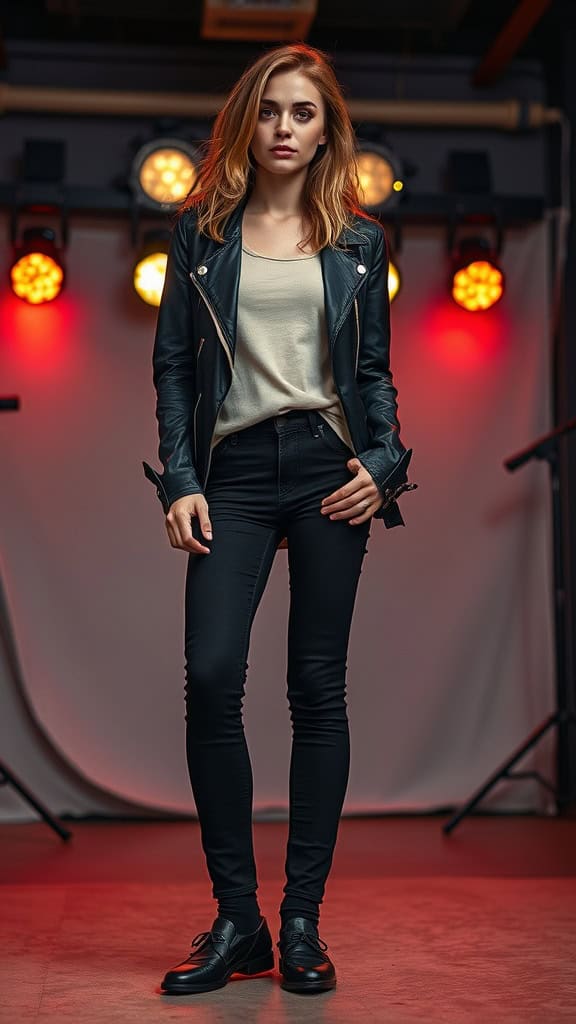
x=284, y=124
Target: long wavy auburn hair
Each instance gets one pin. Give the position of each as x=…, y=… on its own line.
x=226, y=171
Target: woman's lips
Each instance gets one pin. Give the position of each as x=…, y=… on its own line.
x=282, y=152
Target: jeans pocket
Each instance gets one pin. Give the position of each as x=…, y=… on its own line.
x=333, y=440
x=223, y=445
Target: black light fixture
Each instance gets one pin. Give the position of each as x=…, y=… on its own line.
x=381, y=175
x=163, y=172
x=476, y=280
x=469, y=172
x=37, y=272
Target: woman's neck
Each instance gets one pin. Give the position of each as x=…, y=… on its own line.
x=278, y=198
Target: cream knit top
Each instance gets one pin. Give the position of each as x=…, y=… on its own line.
x=282, y=359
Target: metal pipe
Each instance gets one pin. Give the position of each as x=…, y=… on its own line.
x=507, y=115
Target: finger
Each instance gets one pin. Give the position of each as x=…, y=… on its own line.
x=179, y=524
x=363, y=493
x=174, y=534
x=354, y=486
x=189, y=541
x=359, y=507
x=347, y=518
x=367, y=513
x=205, y=526
x=337, y=496
x=171, y=534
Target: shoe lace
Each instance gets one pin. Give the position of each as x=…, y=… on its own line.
x=202, y=937
x=317, y=944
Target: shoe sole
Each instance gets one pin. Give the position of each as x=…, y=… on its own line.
x=308, y=986
x=263, y=963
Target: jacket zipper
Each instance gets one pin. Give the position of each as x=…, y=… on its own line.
x=227, y=351
x=200, y=347
x=195, y=411
x=357, y=346
x=357, y=335
x=214, y=318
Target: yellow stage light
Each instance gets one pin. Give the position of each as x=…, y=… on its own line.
x=380, y=176
x=164, y=172
x=150, y=267
x=394, y=280
x=149, y=275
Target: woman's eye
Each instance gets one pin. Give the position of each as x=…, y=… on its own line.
x=306, y=113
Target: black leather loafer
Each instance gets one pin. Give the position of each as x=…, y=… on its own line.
x=304, y=964
x=218, y=954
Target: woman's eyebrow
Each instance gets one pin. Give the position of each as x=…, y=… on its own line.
x=297, y=103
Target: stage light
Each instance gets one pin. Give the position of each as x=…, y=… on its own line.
x=150, y=267
x=164, y=172
x=37, y=271
x=381, y=176
x=394, y=280
x=476, y=281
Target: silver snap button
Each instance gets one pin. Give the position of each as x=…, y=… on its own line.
x=361, y=268
x=201, y=269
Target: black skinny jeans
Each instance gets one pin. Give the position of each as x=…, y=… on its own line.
x=266, y=482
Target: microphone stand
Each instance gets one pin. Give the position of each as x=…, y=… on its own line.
x=547, y=448
x=7, y=777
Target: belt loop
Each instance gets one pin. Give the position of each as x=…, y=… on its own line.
x=313, y=423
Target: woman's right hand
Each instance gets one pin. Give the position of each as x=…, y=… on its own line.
x=179, y=519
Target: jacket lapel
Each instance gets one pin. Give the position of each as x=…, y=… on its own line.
x=220, y=282
x=342, y=282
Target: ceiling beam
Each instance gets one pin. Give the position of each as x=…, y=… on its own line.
x=509, y=41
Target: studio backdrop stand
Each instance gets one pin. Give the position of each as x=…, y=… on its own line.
x=563, y=719
x=7, y=776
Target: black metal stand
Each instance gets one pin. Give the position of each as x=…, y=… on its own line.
x=546, y=447
x=7, y=777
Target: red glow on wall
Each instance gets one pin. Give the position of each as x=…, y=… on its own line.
x=38, y=340
x=464, y=342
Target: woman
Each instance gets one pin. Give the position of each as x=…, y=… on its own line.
x=278, y=426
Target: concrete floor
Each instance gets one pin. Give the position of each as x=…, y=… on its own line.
x=479, y=927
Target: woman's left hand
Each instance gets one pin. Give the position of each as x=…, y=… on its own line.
x=357, y=500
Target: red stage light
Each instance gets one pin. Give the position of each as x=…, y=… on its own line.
x=477, y=282
x=37, y=273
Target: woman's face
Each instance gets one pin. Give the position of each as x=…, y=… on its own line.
x=292, y=114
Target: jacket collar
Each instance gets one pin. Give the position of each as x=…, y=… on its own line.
x=344, y=270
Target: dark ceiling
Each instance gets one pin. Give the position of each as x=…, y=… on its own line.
x=407, y=27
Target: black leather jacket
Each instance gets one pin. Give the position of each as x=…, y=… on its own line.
x=194, y=347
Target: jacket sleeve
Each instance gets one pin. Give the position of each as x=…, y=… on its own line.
x=173, y=367
x=386, y=459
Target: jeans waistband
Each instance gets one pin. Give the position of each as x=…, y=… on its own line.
x=285, y=421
